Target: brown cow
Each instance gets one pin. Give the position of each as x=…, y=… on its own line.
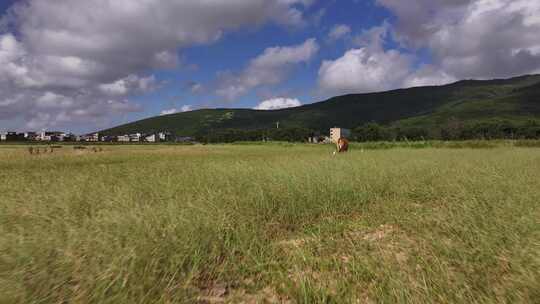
x=342, y=145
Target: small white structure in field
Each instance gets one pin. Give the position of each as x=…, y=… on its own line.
x=337, y=133
x=3, y=136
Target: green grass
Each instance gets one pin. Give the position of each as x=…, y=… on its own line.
x=275, y=223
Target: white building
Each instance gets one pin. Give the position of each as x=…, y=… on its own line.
x=43, y=136
x=151, y=138
x=122, y=138
x=3, y=136
x=30, y=135
x=62, y=137
x=135, y=137
x=50, y=136
x=164, y=136
x=93, y=137
x=337, y=133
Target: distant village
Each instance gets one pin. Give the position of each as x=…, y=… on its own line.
x=56, y=136
x=157, y=137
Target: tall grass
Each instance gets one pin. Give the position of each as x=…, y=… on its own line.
x=254, y=223
x=425, y=144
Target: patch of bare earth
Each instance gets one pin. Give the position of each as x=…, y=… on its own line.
x=386, y=245
x=387, y=238
x=295, y=243
x=214, y=294
x=390, y=242
x=220, y=293
x=378, y=234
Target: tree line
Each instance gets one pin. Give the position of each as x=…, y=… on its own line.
x=234, y=135
x=453, y=129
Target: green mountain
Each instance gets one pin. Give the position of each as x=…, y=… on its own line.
x=516, y=99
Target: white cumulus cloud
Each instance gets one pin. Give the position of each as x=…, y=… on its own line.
x=278, y=103
x=428, y=75
x=184, y=108
x=339, y=31
x=472, y=38
x=466, y=39
x=269, y=68
x=169, y=111
x=97, y=53
x=364, y=70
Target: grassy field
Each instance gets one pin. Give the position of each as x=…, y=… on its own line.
x=270, y=224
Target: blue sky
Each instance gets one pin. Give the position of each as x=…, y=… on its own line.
x=234, y=51
x=87, y=65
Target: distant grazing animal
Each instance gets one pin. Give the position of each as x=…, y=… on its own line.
x=342, y=145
